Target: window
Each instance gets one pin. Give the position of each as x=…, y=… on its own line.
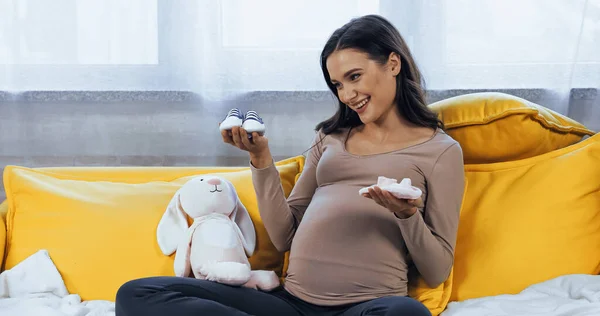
x=217, y=47
x=66, y=32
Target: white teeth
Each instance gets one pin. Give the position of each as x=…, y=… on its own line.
x=362, y=103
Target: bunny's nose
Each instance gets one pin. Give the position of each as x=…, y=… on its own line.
x=214, y=181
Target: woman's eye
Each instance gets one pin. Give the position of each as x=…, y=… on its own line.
x=354, y=77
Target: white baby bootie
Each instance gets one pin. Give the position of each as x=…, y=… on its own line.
x=402, y=190
x=234, y=118
x=253, y=123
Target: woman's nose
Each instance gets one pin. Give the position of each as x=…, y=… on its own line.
x=348, y=96
x=214, y=181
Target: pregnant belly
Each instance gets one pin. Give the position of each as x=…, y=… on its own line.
x=335, y=279
x=347, y=247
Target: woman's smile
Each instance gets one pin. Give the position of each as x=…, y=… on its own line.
x=361, y=106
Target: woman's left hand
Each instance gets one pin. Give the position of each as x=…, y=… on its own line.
x=402, y=208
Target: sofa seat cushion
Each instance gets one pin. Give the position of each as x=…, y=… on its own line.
x=496, y=127
x=528, y=221
x=100, y=227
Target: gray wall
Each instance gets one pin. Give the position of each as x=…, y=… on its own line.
x=176, y=128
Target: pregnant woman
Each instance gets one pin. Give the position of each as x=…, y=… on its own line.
x=349, y=252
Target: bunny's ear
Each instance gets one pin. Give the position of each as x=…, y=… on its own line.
x=242, y=218
x=172, y=226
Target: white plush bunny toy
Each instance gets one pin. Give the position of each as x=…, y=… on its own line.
x=217, y=245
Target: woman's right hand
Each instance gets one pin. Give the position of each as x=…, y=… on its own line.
x=257, y=146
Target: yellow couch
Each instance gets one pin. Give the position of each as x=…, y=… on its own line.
x=531, y=209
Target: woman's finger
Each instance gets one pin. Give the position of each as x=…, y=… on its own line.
x=412, y=203
x=372, y=194
x=226, y=138
x=392, y=200
x=236, y=136
x=244, y=138
x=384, y=196
x=379, y=192
x=375, y=196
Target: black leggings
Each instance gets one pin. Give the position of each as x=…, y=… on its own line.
x=174, y=296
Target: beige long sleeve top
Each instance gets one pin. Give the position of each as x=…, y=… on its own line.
x=345, y=248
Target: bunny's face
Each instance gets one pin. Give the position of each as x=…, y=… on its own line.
x=201, y=196
x=206, y=195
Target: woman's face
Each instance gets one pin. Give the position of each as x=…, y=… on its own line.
x=364, y=85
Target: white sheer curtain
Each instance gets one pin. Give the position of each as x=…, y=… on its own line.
x=217, y=48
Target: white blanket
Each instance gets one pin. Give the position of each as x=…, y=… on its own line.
x=34, y=287
x=569, y=295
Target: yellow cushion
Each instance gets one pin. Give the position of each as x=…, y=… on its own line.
x=3, y=210
x=527, y=221
x=496, y=127
x=101, y=232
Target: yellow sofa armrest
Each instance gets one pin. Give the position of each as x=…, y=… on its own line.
x=3, y=210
